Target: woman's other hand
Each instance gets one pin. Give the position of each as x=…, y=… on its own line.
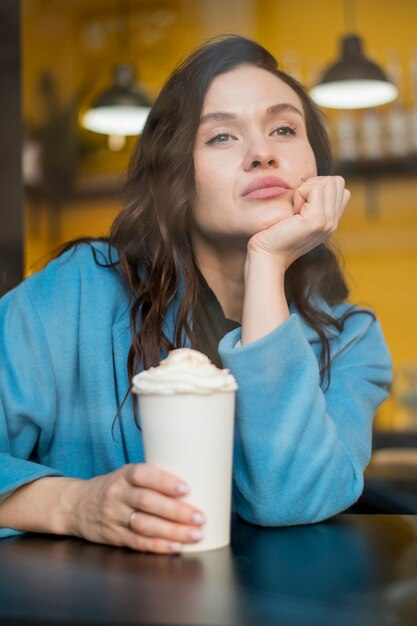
x=138, y=506
x=318, y=204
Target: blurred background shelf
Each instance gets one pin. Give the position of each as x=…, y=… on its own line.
x=386, y=167
x=395, y=439
x=73, y=180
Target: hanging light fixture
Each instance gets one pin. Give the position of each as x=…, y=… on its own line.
x=354, y=81
x=122, y=109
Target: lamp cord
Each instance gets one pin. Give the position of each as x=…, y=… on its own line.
x=349, y=16
x=124, y=35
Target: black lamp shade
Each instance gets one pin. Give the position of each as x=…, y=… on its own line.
x=123, y=91
x=354, y=81
x=353, y=65
x=122, y=109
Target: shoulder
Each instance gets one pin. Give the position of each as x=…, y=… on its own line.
x=81, y=277
x=360, y=337
x=85, y=264
x=354, y=321
x=349, y=321
x=83, y=261
x=355, y=329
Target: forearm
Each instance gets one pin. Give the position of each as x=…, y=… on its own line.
x=300, y=450
x=292, y=464
x=265, y=306
x=44, y=505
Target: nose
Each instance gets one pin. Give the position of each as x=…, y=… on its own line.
x=259, y=155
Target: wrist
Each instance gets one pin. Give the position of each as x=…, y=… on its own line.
x=265, y=306
x=67, y=513
x=264, y=262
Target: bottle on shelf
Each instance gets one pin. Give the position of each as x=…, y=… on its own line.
x=371, y=138
x=396, y=117
x=412, y=117
x=346, y=137
x=291, y=63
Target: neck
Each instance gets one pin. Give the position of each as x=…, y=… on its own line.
x=222, y=265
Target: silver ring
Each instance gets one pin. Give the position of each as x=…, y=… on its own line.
x=130, y=519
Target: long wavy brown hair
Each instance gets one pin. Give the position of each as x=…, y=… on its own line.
x=152, y=232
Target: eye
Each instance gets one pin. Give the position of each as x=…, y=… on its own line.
x=220, y=138
x=284, y=130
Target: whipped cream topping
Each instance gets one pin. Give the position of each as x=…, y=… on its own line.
x=184, y=371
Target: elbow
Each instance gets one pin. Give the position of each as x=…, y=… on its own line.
x=291, y=507
x=10, y=532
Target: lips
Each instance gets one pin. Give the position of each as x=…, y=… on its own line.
x=266, y=187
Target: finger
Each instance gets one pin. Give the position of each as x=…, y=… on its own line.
x=312, y=210
x=313, y=179
x=298, y=201
x=346, y=198
x=150, y=477
x=343, y=196
x=339, y=183
x=152, y=526
x=150, y=544
x=331, y=206
x=165, y=507
x=340, y=187
x=301, y=195
x=334, y=187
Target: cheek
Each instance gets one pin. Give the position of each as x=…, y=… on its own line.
x=203, y=179
x=308, y=161
x=301, y=159
x=210, y=173
x=213, y=182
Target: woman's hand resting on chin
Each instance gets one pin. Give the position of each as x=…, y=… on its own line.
x=318, y=204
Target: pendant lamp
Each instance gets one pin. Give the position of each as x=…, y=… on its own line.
x=354, y=81
x=122, y=109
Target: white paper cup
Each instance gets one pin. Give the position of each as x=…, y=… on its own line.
x=191, y=435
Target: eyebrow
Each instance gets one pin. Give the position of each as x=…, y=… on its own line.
x=221, y=116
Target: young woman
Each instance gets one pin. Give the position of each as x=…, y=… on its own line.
x=221, y=246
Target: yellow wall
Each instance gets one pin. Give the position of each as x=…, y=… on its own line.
x=380, y=252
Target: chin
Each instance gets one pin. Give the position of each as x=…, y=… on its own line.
x=268, y=216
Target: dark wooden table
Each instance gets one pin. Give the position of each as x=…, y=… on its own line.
x=355, y=570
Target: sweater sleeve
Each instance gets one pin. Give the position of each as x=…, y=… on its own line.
x=27, y=393
x=300, y=450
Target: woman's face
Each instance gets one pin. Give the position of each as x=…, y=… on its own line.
x=252, y=132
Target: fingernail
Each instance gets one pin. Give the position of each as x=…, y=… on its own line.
x=198, y=518
x=182, y=488
x=175, y=546
x=195, y=534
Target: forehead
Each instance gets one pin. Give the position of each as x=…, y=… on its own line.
x=247, y=89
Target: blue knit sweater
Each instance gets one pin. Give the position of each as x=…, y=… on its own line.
x=300, y=450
